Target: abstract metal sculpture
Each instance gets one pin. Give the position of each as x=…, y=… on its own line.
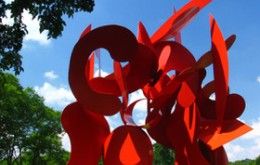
x=180, y=113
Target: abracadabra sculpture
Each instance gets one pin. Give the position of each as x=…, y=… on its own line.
x=180, y=113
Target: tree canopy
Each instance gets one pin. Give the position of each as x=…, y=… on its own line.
x=162, y=155
x=48, y=12
x=247, y=162
x=29, y=130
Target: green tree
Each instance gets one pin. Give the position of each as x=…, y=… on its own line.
x=243, y=162
x=257, y=161
x=29, y=131
x=162, y=155
x=48, y=12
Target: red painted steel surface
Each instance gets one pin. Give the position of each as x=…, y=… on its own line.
x=180, y=113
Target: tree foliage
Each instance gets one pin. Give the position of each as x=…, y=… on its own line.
x=29, y=131
x=257, y=161
x=162, y=155
x=247, y=162
x=48, y=12
x=244, y=162
x=166, y=156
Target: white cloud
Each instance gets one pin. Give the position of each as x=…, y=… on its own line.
x=50, y=75
x=8, y=20
x=255, y=133
x=8, y=1
x=140, y=110
x=142, y=105
x=65, y=141
x=234, y=151
x=247, y=146
x=141, y=121
x=114, y=121
x=32, y=25
x=100, y=73
x=33, y=30
x=258, y=79
x=55, y=96
x=212, y=96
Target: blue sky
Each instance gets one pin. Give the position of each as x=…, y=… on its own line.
x=46, y=61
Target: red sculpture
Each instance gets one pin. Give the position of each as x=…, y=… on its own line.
x=180, y=113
